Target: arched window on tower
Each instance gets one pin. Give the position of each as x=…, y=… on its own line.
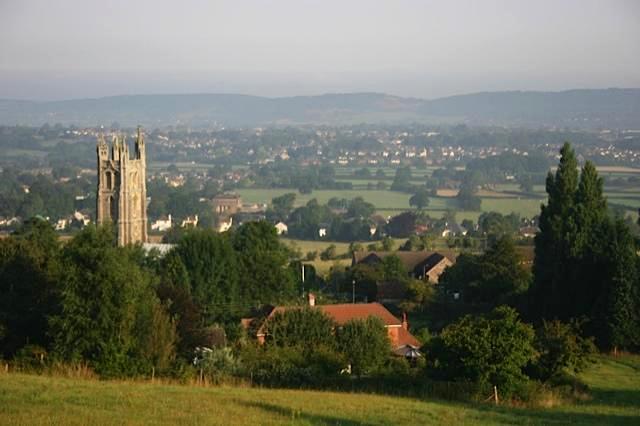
x=109, y=179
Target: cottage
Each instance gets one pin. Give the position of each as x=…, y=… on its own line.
x=190, y=222
x=454, y=230
x=224, y=225
x=281, y=228
x=162, y=224
x=226, y=204
x=61, y=224
x=402, y=341
x=423, y=265
x=81, y=218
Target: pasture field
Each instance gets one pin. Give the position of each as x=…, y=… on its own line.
x=323, y=267
x=307, y=246
x=29, y=399
x=381, y=199
x=16, y=152
x=389, y=203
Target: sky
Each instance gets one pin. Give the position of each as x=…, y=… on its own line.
x=68, y=49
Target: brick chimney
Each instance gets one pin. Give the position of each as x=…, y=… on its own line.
x=312, y=299
x=405, y=324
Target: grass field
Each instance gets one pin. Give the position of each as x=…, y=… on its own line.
x=324, y=266
x=29, y=399
x=504, y=199
x=381, y=199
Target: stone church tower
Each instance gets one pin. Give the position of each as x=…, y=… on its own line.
x=122, y=189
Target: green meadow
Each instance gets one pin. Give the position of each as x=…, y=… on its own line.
x=613, y=399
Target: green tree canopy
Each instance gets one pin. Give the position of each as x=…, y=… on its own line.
x=365, y=344
x=420, y=199
x=488, y=350
x=305, y=328
x=109, y=314
x=263, y=262
x=213, y=270
x=29, y=274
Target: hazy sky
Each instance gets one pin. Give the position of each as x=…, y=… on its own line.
x=83, y=48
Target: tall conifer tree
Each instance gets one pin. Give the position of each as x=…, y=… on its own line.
x=553, y=242
x=586, y=264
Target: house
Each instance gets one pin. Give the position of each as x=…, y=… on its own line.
x=61, y=224
x=83, y=219
x=224, y=225
x=423, y=265
x=402, y=341
x=454, y=229
x=529, y=231
x=9, y=221
x=162, y=224
x=281, y=228
x=190, y=222
x=226, y=204
x=161, y=248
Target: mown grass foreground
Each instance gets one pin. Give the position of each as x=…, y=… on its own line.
x=30, y=399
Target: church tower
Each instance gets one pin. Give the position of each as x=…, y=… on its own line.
x=122, y=189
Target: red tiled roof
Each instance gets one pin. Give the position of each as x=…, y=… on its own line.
x=406, y=338
x=342, y=313
x=348, y=311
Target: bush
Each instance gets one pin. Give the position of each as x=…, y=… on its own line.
x=560, y=347
x=30, y=358
x=304, y=328
x=364, y=343
x=289, y=366
x=487, y=350
x=329, y=253
x=217, y=363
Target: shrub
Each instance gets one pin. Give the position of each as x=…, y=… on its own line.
x=329, y=253
x=364, y=343
x=217, y=363
x=305, y=328
x=560, y=347
x=488, y=350
x=292, y=365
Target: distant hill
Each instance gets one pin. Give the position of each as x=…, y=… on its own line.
x=606, y=108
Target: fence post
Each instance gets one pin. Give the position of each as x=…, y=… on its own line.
x=495, y=394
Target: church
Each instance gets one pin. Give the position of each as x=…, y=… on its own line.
x=122, y=190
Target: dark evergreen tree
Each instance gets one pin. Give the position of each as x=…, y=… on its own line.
x=553, y=243
x=615, y=314
x=586, y=264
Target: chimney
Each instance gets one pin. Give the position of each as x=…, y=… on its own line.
x=405, y=324
x=312, y=299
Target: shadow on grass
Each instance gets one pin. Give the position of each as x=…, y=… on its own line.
x=553, y=416
x=615, y=397
x=293, y=415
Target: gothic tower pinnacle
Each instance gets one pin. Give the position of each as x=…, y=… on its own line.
x=122, y=189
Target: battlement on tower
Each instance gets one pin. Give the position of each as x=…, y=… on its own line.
x=122, y=190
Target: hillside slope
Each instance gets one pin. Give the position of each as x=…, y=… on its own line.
x=27, y=399
x=609, y=108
